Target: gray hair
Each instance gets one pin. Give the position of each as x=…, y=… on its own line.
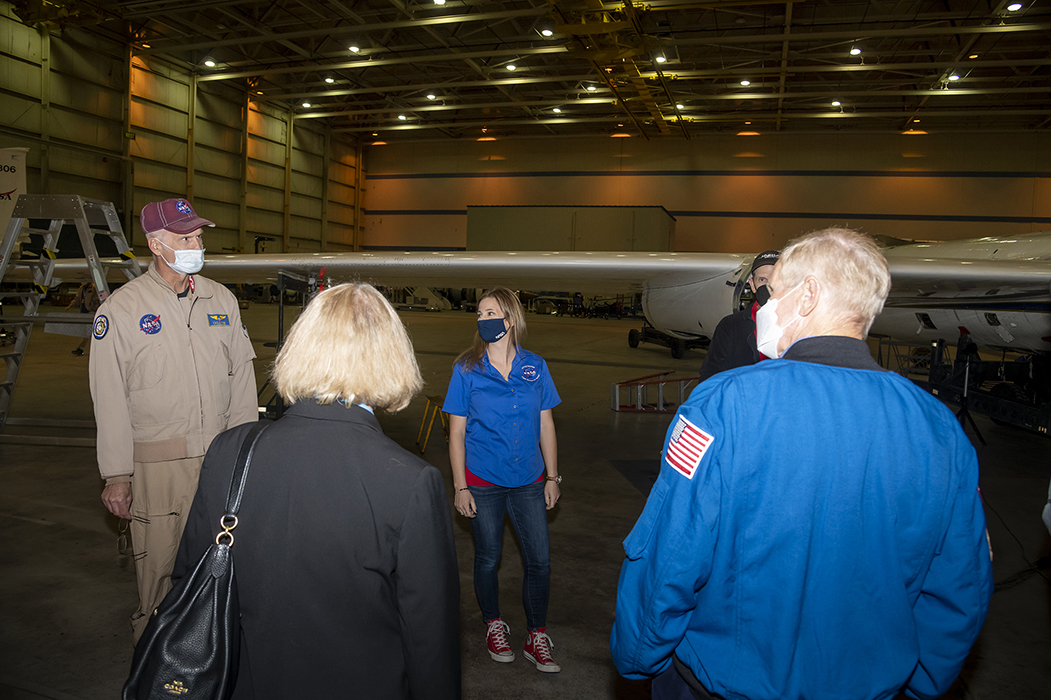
x=849, y=263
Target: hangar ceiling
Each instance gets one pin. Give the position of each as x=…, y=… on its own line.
x=412, y=70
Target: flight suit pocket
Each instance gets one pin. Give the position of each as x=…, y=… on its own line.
x=638, y=540
x=150, y=389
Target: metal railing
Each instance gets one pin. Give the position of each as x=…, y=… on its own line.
x=637, y=393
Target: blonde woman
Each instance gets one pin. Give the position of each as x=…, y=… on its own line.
x=345, y=555
x=504, y=459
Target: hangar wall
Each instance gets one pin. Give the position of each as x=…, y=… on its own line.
x=103, y=124
x=728, y=193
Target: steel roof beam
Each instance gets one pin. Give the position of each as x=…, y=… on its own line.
x=377, y=63
x=179, y=47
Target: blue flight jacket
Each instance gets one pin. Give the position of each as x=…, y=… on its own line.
x=816, y=532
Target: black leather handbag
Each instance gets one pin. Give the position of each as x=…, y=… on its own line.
x=191, y=644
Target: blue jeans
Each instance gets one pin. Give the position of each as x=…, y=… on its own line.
x=525, y=505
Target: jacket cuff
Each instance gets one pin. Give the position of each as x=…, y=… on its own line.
x=124, y=479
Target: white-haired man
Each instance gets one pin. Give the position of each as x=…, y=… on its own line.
x=829, y=545
x=170, y=368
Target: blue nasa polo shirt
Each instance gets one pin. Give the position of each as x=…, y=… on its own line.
x=503, y=417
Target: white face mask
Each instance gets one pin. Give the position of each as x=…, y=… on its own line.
x=767, y=332
x=187, y=262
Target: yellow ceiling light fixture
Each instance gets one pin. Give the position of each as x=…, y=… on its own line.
x=620, y=135
x=487, y=138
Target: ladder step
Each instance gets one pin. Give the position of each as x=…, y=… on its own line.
x=5, y=355
x=25, y=262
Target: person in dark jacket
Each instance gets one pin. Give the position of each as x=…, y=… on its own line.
x=346, y=567
x=733, y=343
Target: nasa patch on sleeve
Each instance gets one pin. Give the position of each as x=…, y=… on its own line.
x=101, y=327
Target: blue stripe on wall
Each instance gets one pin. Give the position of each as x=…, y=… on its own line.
x=840, y=216
x=415, y=212
x=835, y=216
x=714, y=173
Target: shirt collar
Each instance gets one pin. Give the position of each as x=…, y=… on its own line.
x=833, y=350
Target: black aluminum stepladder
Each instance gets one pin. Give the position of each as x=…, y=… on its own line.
x=91, y=217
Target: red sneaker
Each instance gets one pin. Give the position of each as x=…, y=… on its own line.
x=538, y=650
x=496, y=640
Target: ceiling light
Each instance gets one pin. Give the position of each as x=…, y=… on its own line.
x=511, y=66
x=855, y=51
x=546, y=32
x=431, y=96
x=660, y=59
x=1014, y=6
x=145, y=45
x=402, y=117
x=379, y=143
x=439, y=2
x=748, y=133
x=330, y=80
x=209, y=62
x=259, y=92
x=375, y=133
x=915, y=121
x=836, y=103
x=680, y=106
x=973, y=55
x=954, y=77
x=746, y=83
x=620, y=135
x=355, y=49
x=591, y=88
x=487, y=138
x=556, y=110
x=306, y=104
x=913, y=132
x=747, y=123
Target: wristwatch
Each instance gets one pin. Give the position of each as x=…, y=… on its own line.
x=557, y=478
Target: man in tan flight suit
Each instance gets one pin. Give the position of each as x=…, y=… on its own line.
x=170, y=368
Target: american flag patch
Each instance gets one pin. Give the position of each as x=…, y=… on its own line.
x=687, y=446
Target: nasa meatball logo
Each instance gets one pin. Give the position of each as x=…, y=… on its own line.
x=530, y=373
x=150, y=324
x=101, y=326
x=183, y=206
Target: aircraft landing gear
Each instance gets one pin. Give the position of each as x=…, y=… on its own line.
x=678, y=346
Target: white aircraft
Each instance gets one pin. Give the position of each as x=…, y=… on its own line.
x=996, y=289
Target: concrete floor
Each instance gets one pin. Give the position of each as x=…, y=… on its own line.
x=65, y=592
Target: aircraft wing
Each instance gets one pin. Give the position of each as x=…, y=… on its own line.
x=584, y=271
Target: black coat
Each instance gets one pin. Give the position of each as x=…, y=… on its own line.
x=733, y=344
x=344, y=557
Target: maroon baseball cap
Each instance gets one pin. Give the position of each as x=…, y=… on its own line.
x=175, y=215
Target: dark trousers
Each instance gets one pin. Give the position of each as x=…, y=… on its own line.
x=528, y=512
x=669, y=685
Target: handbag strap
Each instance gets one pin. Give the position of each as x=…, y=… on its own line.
x=240, y=475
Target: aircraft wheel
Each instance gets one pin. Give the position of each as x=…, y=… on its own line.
x=633, y=338
x=678, y=348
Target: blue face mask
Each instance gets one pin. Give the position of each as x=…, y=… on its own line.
x=491, y=329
